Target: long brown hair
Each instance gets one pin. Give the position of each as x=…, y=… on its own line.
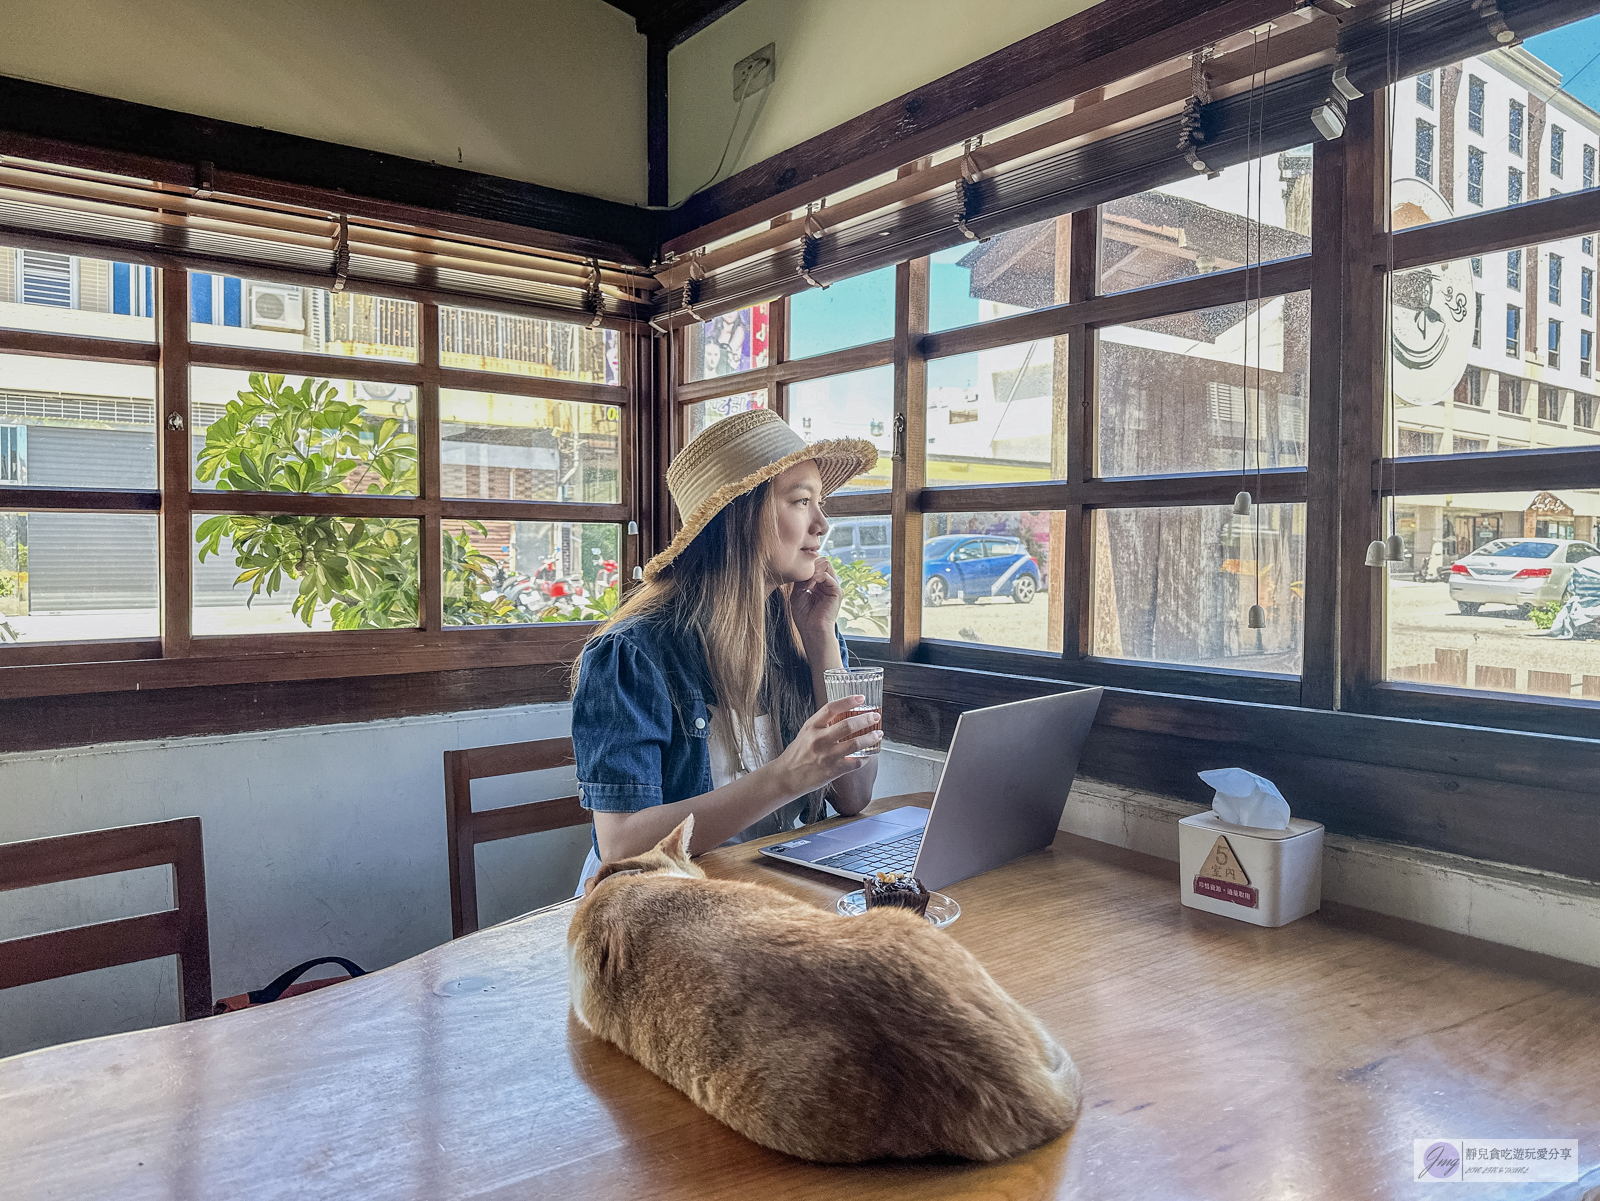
x=716, y=593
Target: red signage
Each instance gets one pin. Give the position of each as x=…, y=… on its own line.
x=1221, y=890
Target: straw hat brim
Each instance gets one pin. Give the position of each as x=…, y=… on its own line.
x=839, y=460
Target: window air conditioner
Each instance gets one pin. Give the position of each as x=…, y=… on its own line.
x=276, y=306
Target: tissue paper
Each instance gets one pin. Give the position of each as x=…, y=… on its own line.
x=1246, y=799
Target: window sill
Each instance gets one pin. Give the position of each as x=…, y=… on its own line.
x=322, y=656
x=1565, y=717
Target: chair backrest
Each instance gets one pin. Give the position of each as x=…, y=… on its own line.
x=181, y=931
x=467, y=829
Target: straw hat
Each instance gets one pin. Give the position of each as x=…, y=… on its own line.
x=740, y=453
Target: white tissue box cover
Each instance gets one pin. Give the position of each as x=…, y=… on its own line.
x=1283, y=869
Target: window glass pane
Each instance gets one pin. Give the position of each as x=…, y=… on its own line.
x=1499, y=591
x=859, y=548
x=57, y=293
x=66, y=423
x=1509, y=389
x=1197, y=226
x=990, y=579
x=1176, y=586
x=1175, y=393
x=225, y=310
x=848, y=313
x=1014, y=272
x=265, y=433
x=477, y=340
x=991, y=415
x=709, y=412
x=77, y=577
x=1502, y=137
x=524, y=448
x=275, y=574
x=858, y=405
x=727, y=344
x=519, y=572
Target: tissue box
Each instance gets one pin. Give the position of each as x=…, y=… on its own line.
x=1265, y=877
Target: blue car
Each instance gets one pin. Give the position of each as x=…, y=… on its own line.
x=968, y=567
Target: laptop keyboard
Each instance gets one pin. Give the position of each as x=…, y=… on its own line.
x=896, y=855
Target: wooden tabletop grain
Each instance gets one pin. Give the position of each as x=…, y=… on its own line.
x=1219, y=1060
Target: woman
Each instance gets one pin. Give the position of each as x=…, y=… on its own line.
x=704, y=694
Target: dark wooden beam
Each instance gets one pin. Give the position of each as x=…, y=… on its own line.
x=1096, y=47
x=655, y=90
x=674, y=21
x=98, y=132
x=44, y=724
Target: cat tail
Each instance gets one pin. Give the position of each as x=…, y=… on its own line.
x=1061, y=1076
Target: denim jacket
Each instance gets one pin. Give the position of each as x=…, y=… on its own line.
x=639, y=720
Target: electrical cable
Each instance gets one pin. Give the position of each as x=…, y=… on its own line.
x=744, y=92
x=1261, y=168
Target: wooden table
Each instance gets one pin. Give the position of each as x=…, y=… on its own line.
x=1219, y=1060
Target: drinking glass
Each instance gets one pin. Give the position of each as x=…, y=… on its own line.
x=866, y=682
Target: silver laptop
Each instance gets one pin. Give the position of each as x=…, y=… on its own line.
x=1001, y=795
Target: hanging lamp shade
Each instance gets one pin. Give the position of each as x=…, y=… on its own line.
x=1377, y=554
x=1258, y=618
x=1241, y=504
x=1393, y=549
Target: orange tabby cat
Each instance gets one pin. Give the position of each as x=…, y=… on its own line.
x=829, y=1038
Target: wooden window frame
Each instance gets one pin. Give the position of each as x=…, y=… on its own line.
x=178, y=658
x=1345, y=274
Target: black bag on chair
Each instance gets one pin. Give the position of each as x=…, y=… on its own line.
x=285, y=986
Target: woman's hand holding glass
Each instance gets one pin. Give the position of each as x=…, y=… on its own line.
x=822, y=750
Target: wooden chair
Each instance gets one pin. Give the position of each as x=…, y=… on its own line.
x=181, y=931
x=467, y=829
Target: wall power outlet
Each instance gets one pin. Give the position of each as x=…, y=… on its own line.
x=755, y=72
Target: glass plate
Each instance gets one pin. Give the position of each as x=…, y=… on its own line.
x=942, y=910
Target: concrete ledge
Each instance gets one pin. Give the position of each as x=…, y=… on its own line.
x=1519, y=907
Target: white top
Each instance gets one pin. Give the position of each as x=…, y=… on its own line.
x=729, y=762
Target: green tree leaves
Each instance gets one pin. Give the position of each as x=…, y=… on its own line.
x=362, y=571
x=855, y=579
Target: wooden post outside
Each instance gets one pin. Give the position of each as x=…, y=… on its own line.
x=1452, y=665
x=1497, y=679
x=1549, y=683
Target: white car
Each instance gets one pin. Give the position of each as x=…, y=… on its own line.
x=1520, y=572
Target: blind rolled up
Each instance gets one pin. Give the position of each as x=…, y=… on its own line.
x=136, y=221
x=1283, y=115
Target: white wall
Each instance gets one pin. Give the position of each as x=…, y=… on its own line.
x=547, y=91
x=327, y=840
x=836, y=60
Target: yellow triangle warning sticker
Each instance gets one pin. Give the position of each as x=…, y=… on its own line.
x=1222, y=864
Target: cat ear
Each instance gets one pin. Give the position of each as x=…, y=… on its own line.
x=676, y=844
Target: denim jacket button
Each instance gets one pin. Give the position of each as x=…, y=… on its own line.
x=699, y=723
